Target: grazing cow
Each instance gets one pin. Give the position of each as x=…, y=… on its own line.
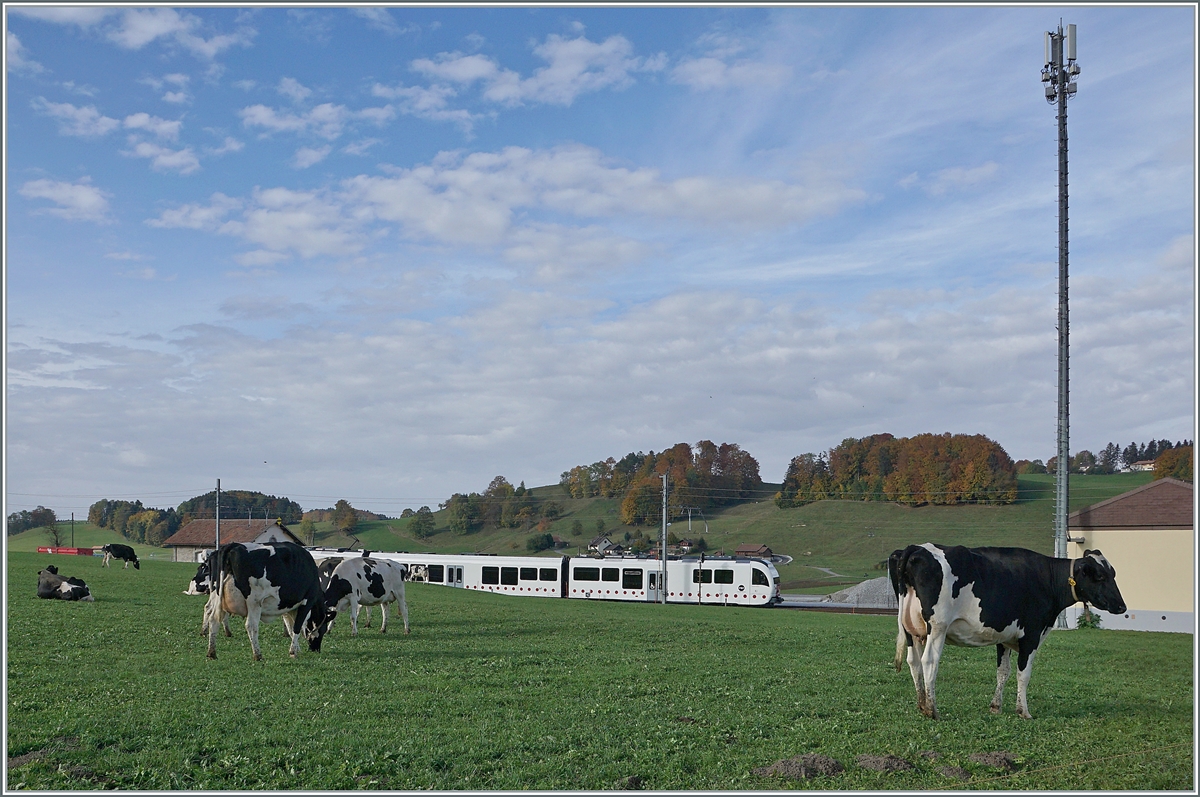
x=366, y=582
x=52, y=585
x=974, y=597
x=117, y=551
x=261, y=582
x=325, y=570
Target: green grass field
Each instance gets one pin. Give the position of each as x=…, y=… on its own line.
x=493, y=692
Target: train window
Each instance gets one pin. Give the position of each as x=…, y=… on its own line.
x=458, y=575
x=631, y=578
x=491, y=575
x=723, y=576
x=701, y=577
x=759, y=578
x=529, y=574
x=610, y=574
x=548, y=574
x=508, y=575
x=435, y=574
x=587, y=574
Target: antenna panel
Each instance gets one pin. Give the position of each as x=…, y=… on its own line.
x=1070, y=42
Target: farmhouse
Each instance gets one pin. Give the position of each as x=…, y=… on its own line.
x=753, y=550
x=193, y=541
x=1148, y=535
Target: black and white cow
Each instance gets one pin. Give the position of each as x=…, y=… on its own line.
x=117, y=551
x=261, y=582
x=975, y=597
x=52, y=585
x=366, y=582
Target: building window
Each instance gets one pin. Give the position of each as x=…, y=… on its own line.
x=491, y=575
x=631, y=578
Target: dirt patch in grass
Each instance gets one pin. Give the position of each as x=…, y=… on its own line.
x=631, y=783
x=57, y=743
x=998, y=759
x=955, y=772
x=883, y=763
x=802, y=767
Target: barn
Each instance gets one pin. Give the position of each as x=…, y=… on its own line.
x=194, y=540
x=1148, y=535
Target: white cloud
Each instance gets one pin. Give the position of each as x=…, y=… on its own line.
x=326, y=120
x=958, y=177
x=17, y=56
x=291, y=88
x=162, y=128
x=361, y=147
x=80, y=201
x=83, y=16
x=708, y=73
x=229, y=145
x=73, y=121
x=198, y=217
x=381, y=19
x=162, y=158
x=308, y=156
x=139, y=27
x=427, y=103
x=575, y=66
x=176, y=97
x=126, y=255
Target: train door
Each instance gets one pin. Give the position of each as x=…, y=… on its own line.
x=454, y=576
x=652, y=586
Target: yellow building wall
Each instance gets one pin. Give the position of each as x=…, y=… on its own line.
x=1154, y=566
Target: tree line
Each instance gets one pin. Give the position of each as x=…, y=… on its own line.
x=499, y=506
x=698, y=477
x=28, y=519
x=923, y=469
x=1110, y=459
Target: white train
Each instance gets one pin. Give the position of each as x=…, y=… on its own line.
x=721, y=580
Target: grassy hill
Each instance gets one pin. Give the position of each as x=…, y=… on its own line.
x=849, y=538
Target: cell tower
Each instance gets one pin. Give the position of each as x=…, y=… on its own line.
x=1059, y=76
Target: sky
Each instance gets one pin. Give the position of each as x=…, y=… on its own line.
x=388, y=253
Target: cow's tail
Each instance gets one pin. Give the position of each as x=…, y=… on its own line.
x=897, y=565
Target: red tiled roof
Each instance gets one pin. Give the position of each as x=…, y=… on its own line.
x=203, y=532
x=1163, y=503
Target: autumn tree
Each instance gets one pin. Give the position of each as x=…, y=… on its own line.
x=345, y=518
x=421, y=525
x=1176, y=463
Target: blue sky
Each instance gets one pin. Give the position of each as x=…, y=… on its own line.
x=387, y=253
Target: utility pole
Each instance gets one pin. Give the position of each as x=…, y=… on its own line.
x=72, y=529
x=662, y=547
x=218, y=513
x=1058, y=74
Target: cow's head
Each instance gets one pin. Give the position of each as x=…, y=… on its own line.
x=337, y=590
x=315, y=626
x=1096, y=582
x=200, y=583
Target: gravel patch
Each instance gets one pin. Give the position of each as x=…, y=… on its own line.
x=802, y=767
x=955, y=772
x=876, y=594
x=997, y=760
x=883, y=763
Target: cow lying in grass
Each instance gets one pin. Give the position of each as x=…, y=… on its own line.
x=976, y=597
x=55, y=587
x=366, y=582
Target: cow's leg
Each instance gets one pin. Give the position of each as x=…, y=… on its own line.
x=107, y=556
x=929, y=666
x=1003, y=670
x=403, y=608
x=364, y=607
x=126, y=567
x=1024, y=670
x=383, y=607
x=212, y=618
x=289, y=625
x=915, y=648
x=253, y=616
x=354, y=606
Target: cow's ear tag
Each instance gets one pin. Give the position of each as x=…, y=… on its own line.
x=1071, y=580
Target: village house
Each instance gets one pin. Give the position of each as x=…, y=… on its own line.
x=193, y=541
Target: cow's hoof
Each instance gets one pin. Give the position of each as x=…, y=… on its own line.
x=994, y=709
x=258, y=657
x=407, y=631
x=1025, y=715
x=211, y=655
